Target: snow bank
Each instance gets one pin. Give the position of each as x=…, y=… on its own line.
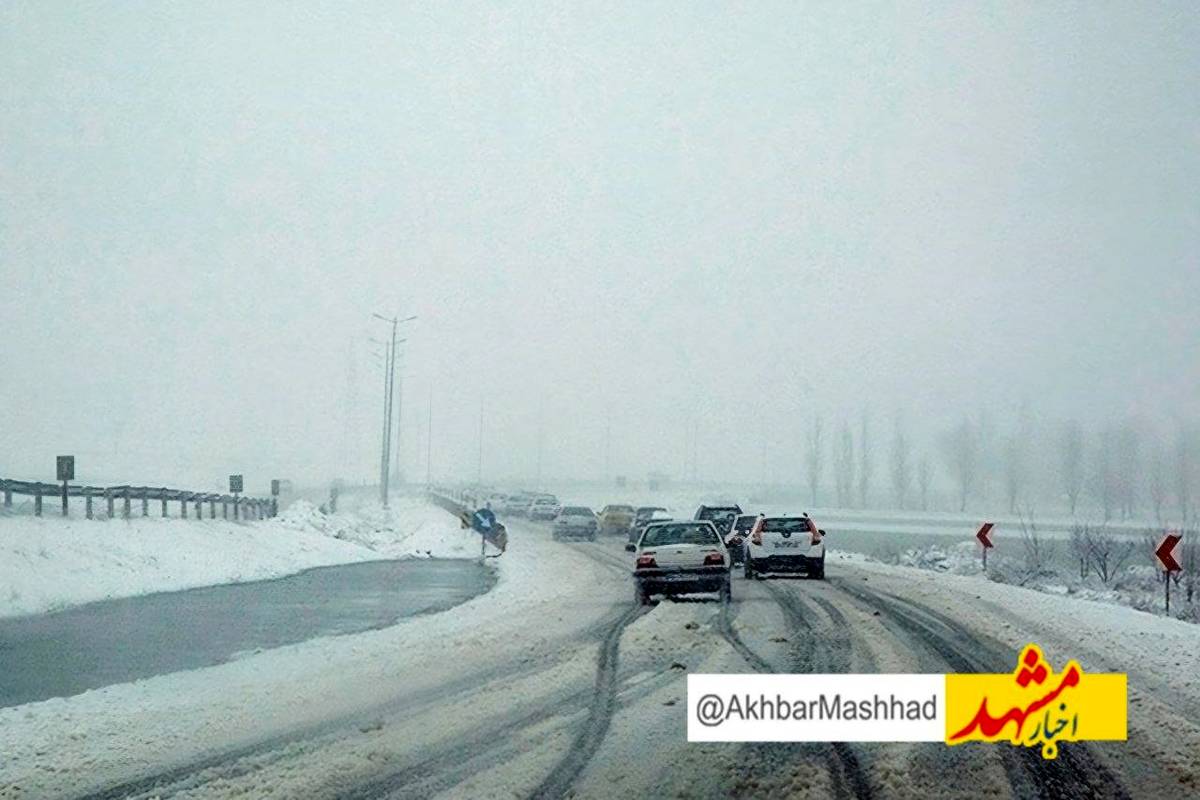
x=48, y=563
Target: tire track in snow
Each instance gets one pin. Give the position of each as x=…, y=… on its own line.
x=600, y=714
x=1076, y=773
x=850, y=779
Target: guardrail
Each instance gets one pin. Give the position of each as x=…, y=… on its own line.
x=240, y=507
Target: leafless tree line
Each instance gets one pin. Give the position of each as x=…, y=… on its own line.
x=1119, y=470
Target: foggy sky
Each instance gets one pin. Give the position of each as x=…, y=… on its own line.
x=616, y=219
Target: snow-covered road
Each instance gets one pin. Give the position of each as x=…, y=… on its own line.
x=556, y=684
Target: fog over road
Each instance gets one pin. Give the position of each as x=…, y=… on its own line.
x=560, y=685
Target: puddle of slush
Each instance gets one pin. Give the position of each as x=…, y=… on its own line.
x=116, y=641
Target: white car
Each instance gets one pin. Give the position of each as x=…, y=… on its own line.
x=785, y=544
x=680, y=557
x=575, y=522
x=543, y=507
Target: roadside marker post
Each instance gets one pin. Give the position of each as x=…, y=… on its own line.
x=1164, y=553
x=66, y=473
x=985, y=539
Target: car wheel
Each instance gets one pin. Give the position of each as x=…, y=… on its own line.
x=819, y=573
x=726, y=592
x=641, y=595
x=748, y=570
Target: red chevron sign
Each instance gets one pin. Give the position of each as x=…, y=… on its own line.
x=984, y=535
x=1165, y=552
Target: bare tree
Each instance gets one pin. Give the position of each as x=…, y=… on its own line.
x=961, y=447
x=1016, y=458
x=1127, y=451
x=814, y=456
x=1104, y=477
x=1185, y=466
x=924, y=479
x=1071, y=466
x=901, y=466
x=1038, y=551
x=1081, y=547
x=1109, y=551
x=1156, y=481
x=865, y=464
x=843, y=467
x=1189, y=559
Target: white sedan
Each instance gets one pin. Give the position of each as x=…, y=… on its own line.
x=680, y=557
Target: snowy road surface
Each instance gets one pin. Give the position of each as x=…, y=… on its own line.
x=555, y=684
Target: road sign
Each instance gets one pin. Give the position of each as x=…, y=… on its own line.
x=235, y=484
x=985, y=535
x=1165, y=552
x=66, y=468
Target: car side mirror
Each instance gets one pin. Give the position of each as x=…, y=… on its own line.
x=631, y=548
x=821, y=531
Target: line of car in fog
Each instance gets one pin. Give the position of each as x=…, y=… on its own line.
x=674, y=555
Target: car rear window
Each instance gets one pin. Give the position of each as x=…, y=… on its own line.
x=782, y=524
x=576, y=511
x=621, y=509
x=680, y=533
x=745, y=523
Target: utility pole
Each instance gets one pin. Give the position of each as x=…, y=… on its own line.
x=608, y=447
x=540, y=436
x=479, y=472
x=429, y=442
x=399, y=426
x=389, y=395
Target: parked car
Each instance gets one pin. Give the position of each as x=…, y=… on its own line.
x=616, y=519
x=543, y=507
x=680, y=557
x=639, y=525
x=722, y=516
x=785, y=544
x=738, y=534
x=575, y=522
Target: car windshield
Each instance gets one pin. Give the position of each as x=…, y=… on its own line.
x=785, y=524
x=576, y=511
x=679, y=533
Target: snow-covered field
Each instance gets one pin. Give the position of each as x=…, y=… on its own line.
x=48, y=563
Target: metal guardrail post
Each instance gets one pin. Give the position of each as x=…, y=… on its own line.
x=37, y=500
x=145, y=503
x=88, y=504
x=162, y=495
x=108, y=499
x=125, y=504
x=199, y=506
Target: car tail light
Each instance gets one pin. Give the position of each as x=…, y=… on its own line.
x=646, y=561
x=816, y=533
x=756, y=534
x=714, y=560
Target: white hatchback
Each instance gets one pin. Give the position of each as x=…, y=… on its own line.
x=785, y=544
